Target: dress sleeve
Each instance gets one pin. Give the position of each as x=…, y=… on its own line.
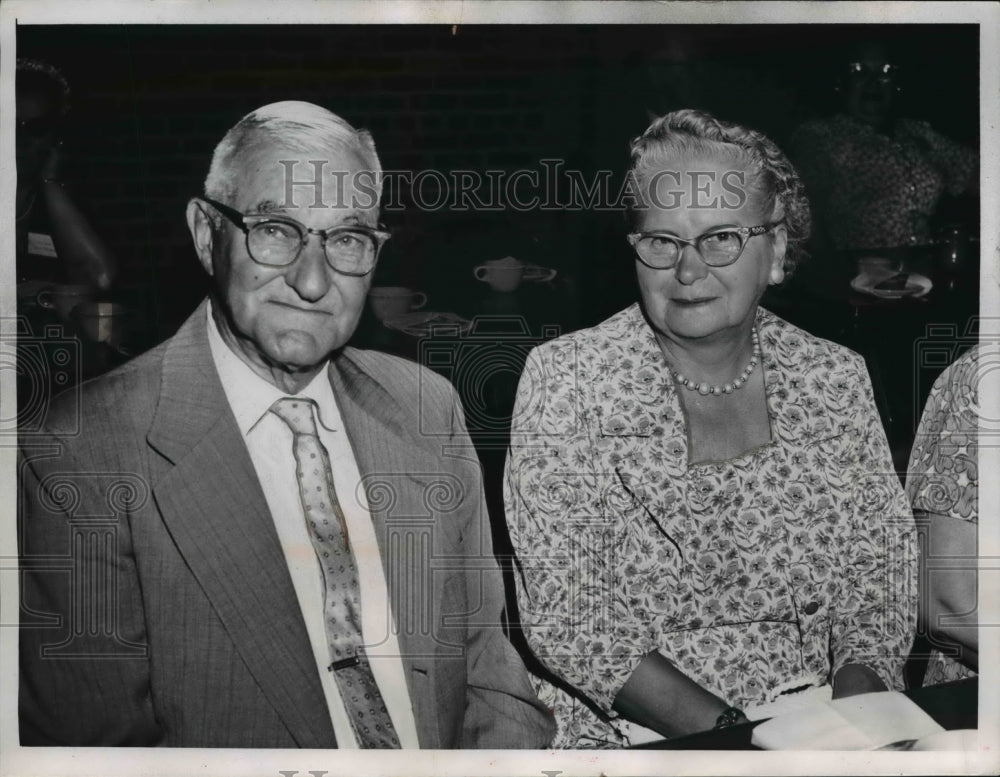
x=942, y=476
x=569, y=582
x=957, y=164
x=875, y=621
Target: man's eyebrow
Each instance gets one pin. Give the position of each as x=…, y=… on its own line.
x=269, y=206
x=355, y=218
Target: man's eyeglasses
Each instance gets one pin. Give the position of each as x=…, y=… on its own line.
x=717, y=248
x=277, y=241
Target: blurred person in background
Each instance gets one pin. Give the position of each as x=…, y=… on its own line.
x=876, y=179
x=55, y=240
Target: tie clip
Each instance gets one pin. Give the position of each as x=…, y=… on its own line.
x=344, y=663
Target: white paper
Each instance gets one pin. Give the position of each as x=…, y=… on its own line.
x=863, y=722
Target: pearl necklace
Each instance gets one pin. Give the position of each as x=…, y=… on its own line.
x=706, y=390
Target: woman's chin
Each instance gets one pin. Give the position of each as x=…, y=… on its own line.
x=693, y=323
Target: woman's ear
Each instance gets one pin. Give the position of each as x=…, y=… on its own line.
x=202, y=233
x=780, y=243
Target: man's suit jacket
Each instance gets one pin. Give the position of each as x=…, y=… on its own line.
x=157, y=607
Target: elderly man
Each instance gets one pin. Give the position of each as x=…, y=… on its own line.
x=253, y=535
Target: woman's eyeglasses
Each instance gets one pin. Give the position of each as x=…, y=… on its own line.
x=884, y=72
x=717, y=247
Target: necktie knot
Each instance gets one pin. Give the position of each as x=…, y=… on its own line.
x=296, y=413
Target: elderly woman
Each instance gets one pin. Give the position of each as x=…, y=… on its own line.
x=701, y=495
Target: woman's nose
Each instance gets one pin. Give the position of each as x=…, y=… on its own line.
x=690, y=266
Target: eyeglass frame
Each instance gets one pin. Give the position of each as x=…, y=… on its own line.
x=886, y=73
x=745, y=234
x=245, y=222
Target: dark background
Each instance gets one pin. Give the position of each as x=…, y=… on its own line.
x=150, y=102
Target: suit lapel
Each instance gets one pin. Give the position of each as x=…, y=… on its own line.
x=216, y=513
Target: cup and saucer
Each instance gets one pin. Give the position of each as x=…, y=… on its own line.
x=506, y=274
x=401, y=309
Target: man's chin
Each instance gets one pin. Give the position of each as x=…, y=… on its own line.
x=298, y=354
x=295, y=363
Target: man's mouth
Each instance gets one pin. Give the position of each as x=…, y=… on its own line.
x=299, y=308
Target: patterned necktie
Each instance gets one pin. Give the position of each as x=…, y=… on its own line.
x=342, y=602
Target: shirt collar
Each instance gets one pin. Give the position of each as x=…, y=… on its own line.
x=251, y=396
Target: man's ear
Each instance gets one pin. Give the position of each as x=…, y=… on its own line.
x=202, y=233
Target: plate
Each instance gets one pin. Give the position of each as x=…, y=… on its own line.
x=424, y=323
x=535, y=272
x=916, y=286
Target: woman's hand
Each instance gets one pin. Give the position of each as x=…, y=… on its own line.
x=659, y=696
x=855, y=679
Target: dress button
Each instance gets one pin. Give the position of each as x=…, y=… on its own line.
x=811, y=608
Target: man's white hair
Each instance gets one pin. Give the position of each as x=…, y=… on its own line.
x=293, y=125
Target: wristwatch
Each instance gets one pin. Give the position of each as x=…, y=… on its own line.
x=730, y=717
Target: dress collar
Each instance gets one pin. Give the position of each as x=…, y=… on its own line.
x=637, y=394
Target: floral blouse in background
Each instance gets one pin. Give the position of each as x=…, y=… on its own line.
x=755, y=575
x=943, y=473
x=870, y=190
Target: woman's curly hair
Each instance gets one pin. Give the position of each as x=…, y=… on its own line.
x=691, y=133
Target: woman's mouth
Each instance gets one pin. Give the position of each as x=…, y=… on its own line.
x=690, y=303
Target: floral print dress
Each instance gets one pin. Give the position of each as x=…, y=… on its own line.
x=943, y=473
x=754, y=576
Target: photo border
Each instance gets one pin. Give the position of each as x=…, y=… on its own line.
x=137, y=761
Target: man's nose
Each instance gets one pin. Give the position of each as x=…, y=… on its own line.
x=310, y=273
x=690, y=266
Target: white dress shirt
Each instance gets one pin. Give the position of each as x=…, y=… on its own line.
x=269, y=442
